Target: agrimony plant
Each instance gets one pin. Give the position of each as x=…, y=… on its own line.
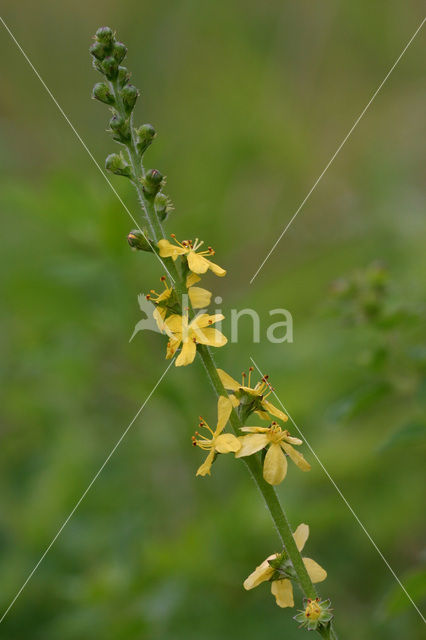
x=263, y=449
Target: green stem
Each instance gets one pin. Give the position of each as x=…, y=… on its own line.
x=252, y=462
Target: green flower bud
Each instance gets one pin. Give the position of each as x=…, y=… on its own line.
x=117, y=165
x=120, y=127
x=119, y=51
x=163, y=205
x=144, y=137
x=102, y=93
x=123, y=76
x=105, y=35
x=110, y=68
x=152, y=183
x=129, y=94
x=138, y=239
x=98, y=50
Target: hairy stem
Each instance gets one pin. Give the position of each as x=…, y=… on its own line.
x=251, y=462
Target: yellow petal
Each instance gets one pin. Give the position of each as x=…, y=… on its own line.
x=293, y=440
x=212, y=337
x=251, y=444
x=234, y=400
x=176, y=324
x=227, y=442
x=301, y=535
x=255, y=429
x=274, y=465
x=159, y=314
x=199, y=297
x=172, y=346
x=262, y=573
x=274, y=411
x=283, y=592
x=197, y=263
x=218, y=271
x=169, y=250
x=187, y=354
x=191, y=279
x=205, y=320
x=204, y=469
x=296, y=457
x=263, y=415
x=316, y=573
x=227, y=381
x=224, y=408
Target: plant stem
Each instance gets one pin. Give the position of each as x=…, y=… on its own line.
x=252, y=462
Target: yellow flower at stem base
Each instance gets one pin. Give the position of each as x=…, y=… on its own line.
x=281, y=586
x=189, y=334
x=218, y=442
x=279, y=442
x=254, y=399
x=197, y=260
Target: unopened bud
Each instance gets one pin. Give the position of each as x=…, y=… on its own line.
x=144, y=137
x=123, y=76
x=102, y=93
x=119, y=51
x=105, y=35
x=163, y=206
x=98, y=50
x=117, y=165
x=129, y=94
x=139, y=240
x=120, y=128
x=152, y=183
x=110, y=68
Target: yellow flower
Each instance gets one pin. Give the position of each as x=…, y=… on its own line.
x=218, y=442
x=197, y=261
x=198, y=331
x=279, y=442
x=252, y=399
x=277, y=569
x=167, y=301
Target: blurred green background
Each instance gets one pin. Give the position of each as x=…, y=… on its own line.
x=250, y=100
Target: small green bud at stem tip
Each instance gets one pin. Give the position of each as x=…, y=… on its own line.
x=152, y=183
x=117, y=165
x=102, y=93
x=144, y=137
x=138, y=240
x=129, y=95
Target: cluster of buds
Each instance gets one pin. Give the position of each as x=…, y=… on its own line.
x=120, y=95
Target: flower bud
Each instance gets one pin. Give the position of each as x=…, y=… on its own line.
x=105, y=35
x=98, y=50
x=120, y=127
x=152, y=183
x=317, y=613
x=139, y=240
x=117, y=165
x=123, y=76
x=144, y=137
x=129, y=94
x=163, y=206
x=102, y=93
x=119, y=51
x=110, y=68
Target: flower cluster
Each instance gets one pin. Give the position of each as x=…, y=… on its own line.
x=180, y=312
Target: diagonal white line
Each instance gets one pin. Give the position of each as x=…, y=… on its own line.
x=84, y=144
x=345, y=501
x=80, y=500
x=339, y=148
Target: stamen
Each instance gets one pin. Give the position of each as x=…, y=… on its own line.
x=163, y=278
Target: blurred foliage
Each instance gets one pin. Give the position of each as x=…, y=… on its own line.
x=250, y=100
